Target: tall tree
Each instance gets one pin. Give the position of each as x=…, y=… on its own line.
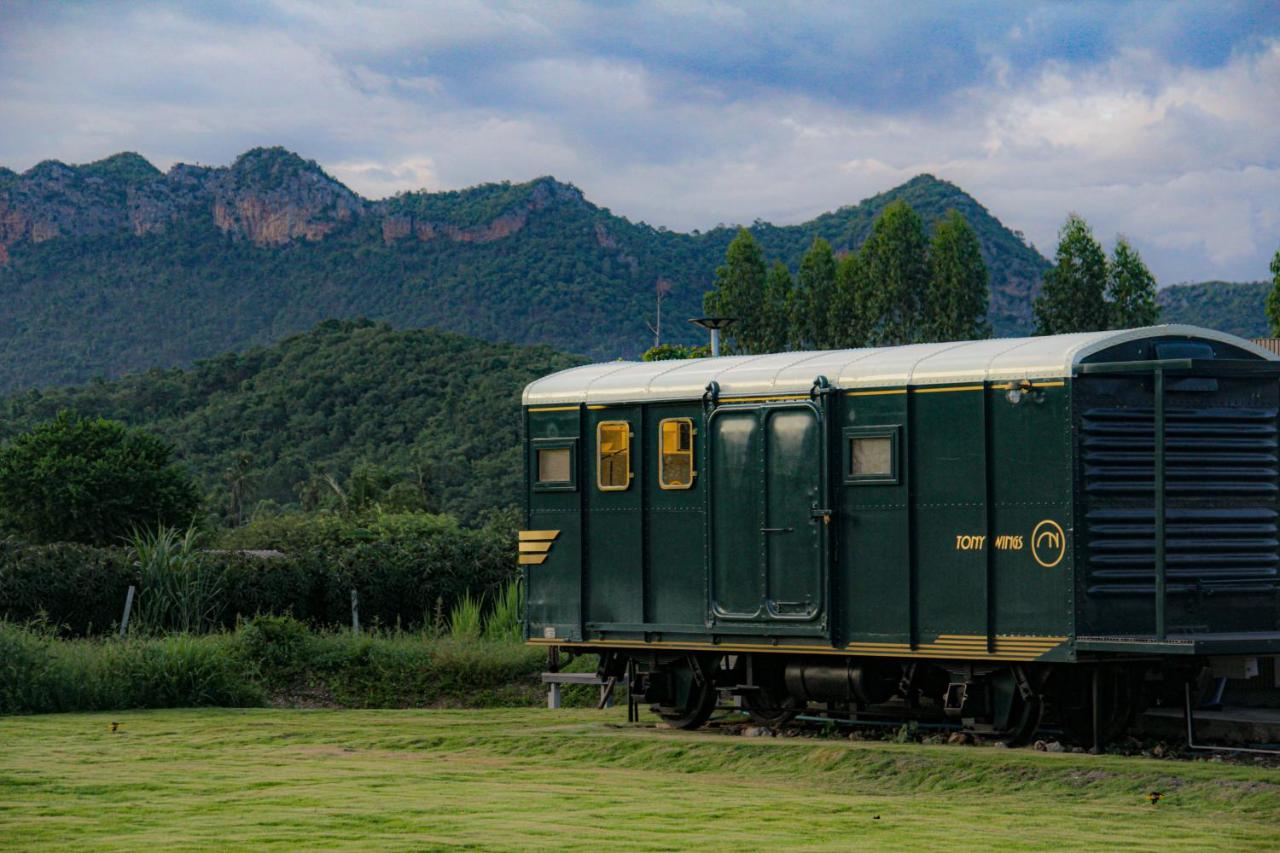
x=775, y=333
x=813, y=298
x=1273, y=298
x=895, y=263
x=91, y=480
x=1074, y=295
x=956, y=308
x=851, y=317
x=1131, y=288
x=739, y=293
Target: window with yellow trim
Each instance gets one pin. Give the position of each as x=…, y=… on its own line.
x=613, y=456
x=675, y=461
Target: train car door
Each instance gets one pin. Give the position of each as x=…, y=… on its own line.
x=767, y=532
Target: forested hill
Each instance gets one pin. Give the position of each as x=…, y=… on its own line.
x=1230, y=306
x=434, y=412
x=114, y=267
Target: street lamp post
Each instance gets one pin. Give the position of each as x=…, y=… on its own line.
x=714, y=325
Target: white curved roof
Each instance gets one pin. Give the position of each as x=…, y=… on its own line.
x=1047, y=357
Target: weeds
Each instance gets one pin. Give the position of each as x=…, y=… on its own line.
x=465, y=622
x=270, y=658
x=505, y=623
x=180, y=590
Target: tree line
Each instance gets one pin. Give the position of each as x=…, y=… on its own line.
x=905, y=285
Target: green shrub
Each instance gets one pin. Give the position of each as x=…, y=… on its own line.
x=406, y=568
x=276, y=645
x=183, y=670
x=91, y=480
x=44, y=674
x=24, y=670
x=269, y=657
x=78, y=589
x=407, y=670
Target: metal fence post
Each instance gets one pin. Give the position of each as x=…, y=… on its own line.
x=128, y=608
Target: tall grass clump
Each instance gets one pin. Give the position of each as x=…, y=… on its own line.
x=466, y=619
x=180, y=590
x=506, y=620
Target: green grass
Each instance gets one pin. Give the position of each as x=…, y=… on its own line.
x=528, y=779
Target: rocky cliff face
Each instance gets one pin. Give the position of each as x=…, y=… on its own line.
x=269, y=196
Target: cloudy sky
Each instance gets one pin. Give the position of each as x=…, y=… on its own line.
x=1158, y=120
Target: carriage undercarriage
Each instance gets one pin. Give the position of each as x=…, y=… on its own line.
x=1090, y=703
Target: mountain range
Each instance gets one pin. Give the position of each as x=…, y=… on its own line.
x=115, y=267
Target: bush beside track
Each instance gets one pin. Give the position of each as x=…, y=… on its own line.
x=269, y=660
x=409, y=569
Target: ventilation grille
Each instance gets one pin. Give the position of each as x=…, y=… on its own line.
x=1211, y=452
x=1206, y=551
x=1221, y=469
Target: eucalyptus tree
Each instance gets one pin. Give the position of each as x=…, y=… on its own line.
x=1074, y=295
x=957, y=297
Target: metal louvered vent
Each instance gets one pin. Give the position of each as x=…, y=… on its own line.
x=1221, y=468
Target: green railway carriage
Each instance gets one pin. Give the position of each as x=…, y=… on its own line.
x=993, y=533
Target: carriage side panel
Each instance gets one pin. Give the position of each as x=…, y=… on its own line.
x=675, y=520
x=551, y=544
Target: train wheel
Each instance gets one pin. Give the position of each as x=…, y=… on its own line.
x=1026, y=723
x=695, y=695
x=1018, y=706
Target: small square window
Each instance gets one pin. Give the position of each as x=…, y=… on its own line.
x=871, y=455
x=553, y=465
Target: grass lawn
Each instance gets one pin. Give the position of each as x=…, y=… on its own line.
x=522, y=779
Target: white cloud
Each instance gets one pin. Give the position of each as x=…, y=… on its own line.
x=1184, y=158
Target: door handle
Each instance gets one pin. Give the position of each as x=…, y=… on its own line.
x=777, y=530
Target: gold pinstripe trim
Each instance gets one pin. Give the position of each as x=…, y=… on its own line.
x=768, y=399
x=951, y=388
x=875, y=393
x=1004, y=386
x=554, y=409
x=1007, y=648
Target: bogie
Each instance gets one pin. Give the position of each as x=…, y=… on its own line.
x=1002, y=702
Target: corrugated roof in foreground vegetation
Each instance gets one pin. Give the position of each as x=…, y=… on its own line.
x=1047, y=357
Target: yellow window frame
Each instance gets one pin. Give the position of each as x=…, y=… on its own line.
x=663, y=453
x=624, y=428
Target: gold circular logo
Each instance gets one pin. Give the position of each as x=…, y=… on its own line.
x=1048, y=543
